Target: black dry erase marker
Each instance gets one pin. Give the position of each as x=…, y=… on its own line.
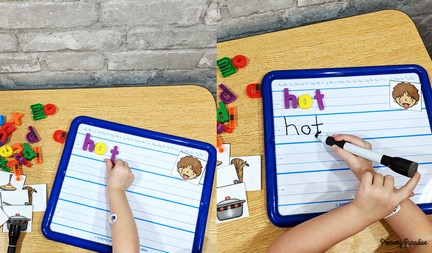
x=397, y=164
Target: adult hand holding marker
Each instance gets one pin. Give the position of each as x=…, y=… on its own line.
x=399, y=165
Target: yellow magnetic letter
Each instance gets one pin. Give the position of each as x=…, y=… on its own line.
x=6, y=151
x=305, y=101
x=100, y=148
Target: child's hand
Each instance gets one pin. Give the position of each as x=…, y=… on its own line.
x=377, y=197
x=119, y=176
x=358, y=165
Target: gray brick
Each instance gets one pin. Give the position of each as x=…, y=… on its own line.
x=148, y=60
x=10, y=63
x=238, y=8
x=66, y=79
x=124, y=77
x=74, y=61
x=168, y=37
x=311, y=14
x=73, y=40
x=152, y=12
x=17, y=15
x=7, y=43
x=302, y=3
x=208, y=60
x=414, y=8
x=213, y=14
x=245, y=26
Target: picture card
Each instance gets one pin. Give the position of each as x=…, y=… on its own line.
x=405, y=95
x=231, y=203
x=226, y=176
x=8, y=181
x=189, y=168
x=223, y=158
x=20, y=212
x=37, y=196
x=3, y=217
x=249, y=171
x=12, y=198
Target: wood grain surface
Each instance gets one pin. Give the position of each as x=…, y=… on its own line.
x=380, y=38
x=186, y=111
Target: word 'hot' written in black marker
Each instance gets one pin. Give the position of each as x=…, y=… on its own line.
x=291, y=128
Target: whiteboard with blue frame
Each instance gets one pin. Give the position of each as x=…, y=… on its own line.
x=305, y=178
x=170, y=213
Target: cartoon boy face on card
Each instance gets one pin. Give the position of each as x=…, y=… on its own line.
x=189, y=168
x=406, y=95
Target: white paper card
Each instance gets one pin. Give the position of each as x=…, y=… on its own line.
x=3, y=217
x=223, y=158
x=236, y=195
x=39, y=196
x=226, y=176
x=251, y=169
x=405, y=95
x=21, y=212
x=8, y=181
x=18, y=197
x=189, y=168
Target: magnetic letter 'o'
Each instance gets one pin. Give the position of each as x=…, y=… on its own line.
x=305, y=101
x=100, y=148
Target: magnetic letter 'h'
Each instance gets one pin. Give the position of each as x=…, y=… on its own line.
x=290, y=97
x=88, y=143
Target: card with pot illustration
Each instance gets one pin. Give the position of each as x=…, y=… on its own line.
x=19, y=212
x=189, y=168
x=8, y=181
x=223, y=158
x=226, y=176
x=231, y=203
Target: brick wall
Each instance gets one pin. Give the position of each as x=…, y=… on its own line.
x=239, y=18
x=73, y=43
x=67, y=43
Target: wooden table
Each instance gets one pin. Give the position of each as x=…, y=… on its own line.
x=186, y=111
x=381, y=38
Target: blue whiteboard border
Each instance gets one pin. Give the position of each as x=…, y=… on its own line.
x=64, y=162
x=269, y=140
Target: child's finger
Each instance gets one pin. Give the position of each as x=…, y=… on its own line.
x=389, y=182
x=108, y=163
x=378, y=179
x=118, y=162
x=366, y=179
x=345, y=155
x=406, y=190
x=353, y=139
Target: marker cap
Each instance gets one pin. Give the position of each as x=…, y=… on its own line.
x=400, y=165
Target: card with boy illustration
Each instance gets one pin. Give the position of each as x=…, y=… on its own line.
x=405, y=95
x=189, y=168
